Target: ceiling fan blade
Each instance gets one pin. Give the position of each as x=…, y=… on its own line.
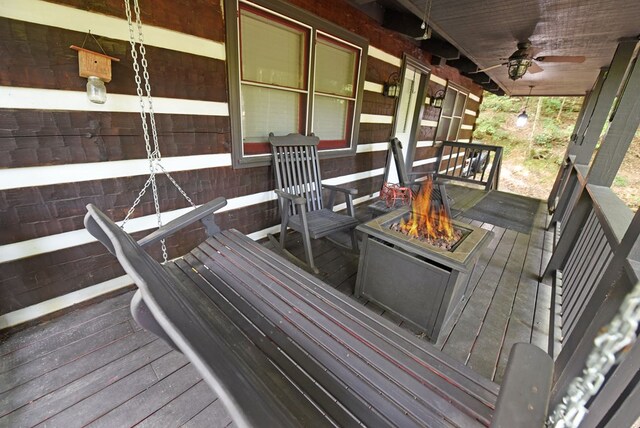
x=489, y=68
x=534, y=68
x=557, y=58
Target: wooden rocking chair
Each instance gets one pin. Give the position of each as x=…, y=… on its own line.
x=299, y=190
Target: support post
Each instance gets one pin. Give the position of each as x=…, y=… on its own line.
x=620, y=133
x=594, y=124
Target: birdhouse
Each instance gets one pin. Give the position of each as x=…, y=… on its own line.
x=94, y=64
x=96, y=67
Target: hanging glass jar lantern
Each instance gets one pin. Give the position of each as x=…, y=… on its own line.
x=96, y=90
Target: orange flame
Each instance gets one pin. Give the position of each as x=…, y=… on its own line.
x=427, y=220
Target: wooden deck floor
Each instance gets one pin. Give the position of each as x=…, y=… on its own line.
x=95, y=367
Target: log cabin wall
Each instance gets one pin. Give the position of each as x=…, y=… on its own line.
x=59, y=152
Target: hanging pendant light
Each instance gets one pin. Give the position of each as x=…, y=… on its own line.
x=523, y=117
x=426, y=21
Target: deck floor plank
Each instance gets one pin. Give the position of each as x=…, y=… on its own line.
x=153, y=398
x=56, y=326
x=62, y=356
x=213, y=416
x=182, y=409
x=52, y=342
x=487, y=347
x=52, y=393
x=463, y=336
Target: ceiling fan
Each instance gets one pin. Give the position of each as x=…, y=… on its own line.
x=523, y=60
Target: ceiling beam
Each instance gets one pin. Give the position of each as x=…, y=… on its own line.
x=440, y=48
x=402, y=22
x=463, y=64
x=479, y=78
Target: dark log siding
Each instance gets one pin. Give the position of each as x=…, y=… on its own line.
x=373, y=103
x=39, y=137
x=38, y=56
x=202, y=18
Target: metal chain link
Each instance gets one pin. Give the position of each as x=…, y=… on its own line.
x=610, y=346
x=154, y=156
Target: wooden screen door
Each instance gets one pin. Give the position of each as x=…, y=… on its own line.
x=409, y=110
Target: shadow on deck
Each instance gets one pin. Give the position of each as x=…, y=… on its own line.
x=95, y=366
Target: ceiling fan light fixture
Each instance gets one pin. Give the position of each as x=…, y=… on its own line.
x=517, y=67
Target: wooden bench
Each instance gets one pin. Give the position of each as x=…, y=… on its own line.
x=281, y=348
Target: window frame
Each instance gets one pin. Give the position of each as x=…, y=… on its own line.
x=459, y=90
x=319, y=27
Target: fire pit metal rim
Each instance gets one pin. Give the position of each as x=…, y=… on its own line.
x=460, y=258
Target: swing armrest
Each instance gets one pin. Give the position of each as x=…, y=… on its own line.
x=526, y=388
x=183, y=221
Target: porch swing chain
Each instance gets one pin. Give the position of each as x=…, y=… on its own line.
x=154, y=156
x=609, y=346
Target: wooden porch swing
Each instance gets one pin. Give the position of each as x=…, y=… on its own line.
x=281, y=348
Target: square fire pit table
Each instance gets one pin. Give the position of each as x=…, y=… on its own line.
x=419, y=282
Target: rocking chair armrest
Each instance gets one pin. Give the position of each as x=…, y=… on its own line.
x=298, y=200
x=345, y=190
x=184, y=220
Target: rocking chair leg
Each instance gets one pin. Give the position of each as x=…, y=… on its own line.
x=354, y=240
x=307, y=242
x=283, y=235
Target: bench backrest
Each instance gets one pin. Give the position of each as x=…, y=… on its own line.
x=178, y=308
x=296, y=167
x=470, y=163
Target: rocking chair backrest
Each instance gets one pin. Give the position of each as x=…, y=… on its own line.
x=297, y=169
x=398, y=157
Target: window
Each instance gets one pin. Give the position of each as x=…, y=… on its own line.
x=295, y=73
x=451, y=114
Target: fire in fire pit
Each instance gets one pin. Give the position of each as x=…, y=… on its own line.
x=429, y=222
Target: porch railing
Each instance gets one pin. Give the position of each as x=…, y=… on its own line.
x=470, y=163
x=593, y=266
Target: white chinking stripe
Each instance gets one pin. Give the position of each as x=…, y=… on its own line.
x=372, y=147
x=470, y=112
x=47, y=244
x=464, y=140
x=383, y=56
x=433, y=160
x=429, y=123
x=69, y=18
x=375, y=118
x=425, y=143
x=466, y=127
x=54, y=99
x=14, y=178
x=53, y=305
x=425, y=161
x=50, y=306
x=474, y=97
x=438, y=80
x=373, y=87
